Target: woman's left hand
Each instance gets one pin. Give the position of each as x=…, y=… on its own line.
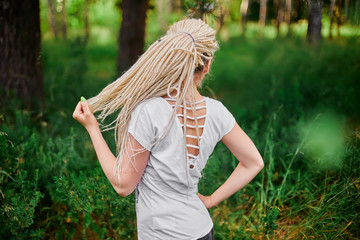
x=83, y=115
x=206, y=200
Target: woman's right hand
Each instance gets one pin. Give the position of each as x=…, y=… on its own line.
x=83, y=115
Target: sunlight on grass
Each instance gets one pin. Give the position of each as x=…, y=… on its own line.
x=324, y=141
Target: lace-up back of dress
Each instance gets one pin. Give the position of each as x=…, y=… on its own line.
x=195, y=116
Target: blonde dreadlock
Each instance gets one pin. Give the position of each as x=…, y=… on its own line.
x=167, y=66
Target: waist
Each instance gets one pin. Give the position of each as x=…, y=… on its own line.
x=170, y=185
x=171, y=214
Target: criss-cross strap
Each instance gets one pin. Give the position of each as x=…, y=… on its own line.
x=189, y=103
x=192, y=146
x=194, y=127
x=193, y=137
x=190, y=108
x=191, y=118
x=192, y=156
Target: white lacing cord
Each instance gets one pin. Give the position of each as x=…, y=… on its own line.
x=189, y=108
x=192, y=126
x=192, y=146
x=191, y=118
x=193, y=137
x=174, y=100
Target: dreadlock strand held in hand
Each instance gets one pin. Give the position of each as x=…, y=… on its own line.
x=166, y=67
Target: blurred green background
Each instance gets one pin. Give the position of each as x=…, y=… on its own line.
x=298, y=102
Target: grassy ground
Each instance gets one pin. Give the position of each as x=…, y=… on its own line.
x=298, y=103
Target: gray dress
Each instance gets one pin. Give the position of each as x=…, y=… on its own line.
x=167, y=206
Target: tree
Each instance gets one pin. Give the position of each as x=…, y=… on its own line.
x=163, y=12
x=52, y=17
x=243, y=11
x=288, y=15
x=346, y=9
x=63, y=18
x=262, y=13
x=132, y=33
x=86, y=19
x=57, y=17
x=20, y=66
x=339, y=18
x=331, y=16
x=314, y=21
x=279, y=6
x=176, y=6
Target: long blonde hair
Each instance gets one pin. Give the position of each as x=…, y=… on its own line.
x=167, y=66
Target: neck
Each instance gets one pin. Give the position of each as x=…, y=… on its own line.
x=193, y=94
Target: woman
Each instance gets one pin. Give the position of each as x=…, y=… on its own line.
x=165, y=133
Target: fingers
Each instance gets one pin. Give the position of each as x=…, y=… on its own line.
x=85, y=107
x=77, y=111
x=202, y=198
x=83, y=114
x=206, y=200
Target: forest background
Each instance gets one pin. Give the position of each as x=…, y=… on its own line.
x=287, y=69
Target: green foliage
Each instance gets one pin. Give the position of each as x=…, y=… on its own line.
x=20, y=194
x=48, y=169
x=49, y=186
x=85, y=206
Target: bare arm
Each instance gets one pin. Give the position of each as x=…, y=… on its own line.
x=131, y=170
x=250, y=164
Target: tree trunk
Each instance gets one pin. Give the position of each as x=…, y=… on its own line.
x=262, y=15
x=63, y=19
x=221, y=18
x=314, y=21
x=20, y=66
x=288, y=16
x=280, y=15
x=346, y=10
x=132, y=32
x=243, y=11
x=297, y=10
x=86, y=19
x=276, y=6
x=52, y=17
x=356, y=15
x=339, y=19
x=331, y=16
x=176, y=5
x=163, y=10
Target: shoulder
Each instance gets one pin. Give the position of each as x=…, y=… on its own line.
x=215, y=105
x=149, y=104
x=221, y=118
x=212, y=100
x=152, y=109
x=144, y=113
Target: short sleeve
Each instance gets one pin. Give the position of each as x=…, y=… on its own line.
x=140, y=126
x=227, y=121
